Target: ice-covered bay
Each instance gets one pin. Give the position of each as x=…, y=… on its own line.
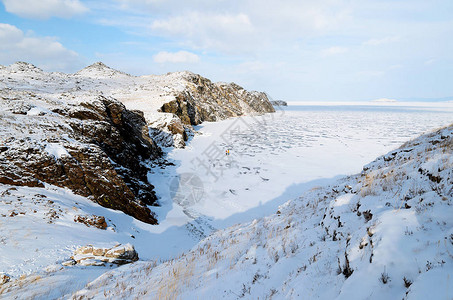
x=276, y=157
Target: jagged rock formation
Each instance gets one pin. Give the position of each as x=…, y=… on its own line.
x=279, y=103
x=202, y=100
x=95, y=147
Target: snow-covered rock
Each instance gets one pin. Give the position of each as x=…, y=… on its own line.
x=92, y=145
x=97, y=256
x=91, y=221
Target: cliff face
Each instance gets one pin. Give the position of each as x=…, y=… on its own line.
x=202, y=100
x=95, y=148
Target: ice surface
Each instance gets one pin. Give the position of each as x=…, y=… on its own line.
x=278, y=156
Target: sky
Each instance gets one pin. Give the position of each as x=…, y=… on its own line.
x=295, y=50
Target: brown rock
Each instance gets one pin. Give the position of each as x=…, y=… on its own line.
x=84, y=250
x=126, y=251
x=203, y=100
x=91, y=221
x=89, y=255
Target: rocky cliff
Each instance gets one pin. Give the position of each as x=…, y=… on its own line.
x=202, y=100
x=95, y=147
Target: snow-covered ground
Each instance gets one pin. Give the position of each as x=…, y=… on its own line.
x=273, y=158
x=385, y=233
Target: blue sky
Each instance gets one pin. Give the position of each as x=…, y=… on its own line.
x=296, y=50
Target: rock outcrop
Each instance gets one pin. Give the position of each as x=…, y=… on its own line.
x=4, y=279
x=203, y=100
x=91, y=221
x=97, y=256
x=96, y=148
x=279, y=103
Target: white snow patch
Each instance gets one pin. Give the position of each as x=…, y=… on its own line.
x=56, y=150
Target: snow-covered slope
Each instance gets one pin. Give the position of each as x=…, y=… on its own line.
x=386, y=233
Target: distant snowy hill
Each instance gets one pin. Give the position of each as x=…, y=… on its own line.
x=100, y=70
x=384, y=100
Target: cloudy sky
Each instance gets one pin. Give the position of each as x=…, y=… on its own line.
x=314, y=50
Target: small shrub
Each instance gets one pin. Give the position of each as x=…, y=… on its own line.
x=408, y=232
x=367, y=215
x=385, y=278
x=407, y=282
x=346, y=270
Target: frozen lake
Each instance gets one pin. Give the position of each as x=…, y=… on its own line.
x=276, y=157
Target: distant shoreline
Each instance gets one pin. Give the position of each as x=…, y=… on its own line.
x=446, y=104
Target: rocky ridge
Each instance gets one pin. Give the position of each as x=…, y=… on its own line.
x=182, y=98
x=203, y=100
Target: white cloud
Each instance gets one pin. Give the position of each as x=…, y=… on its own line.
x=176, y=57
x=377, y=42
x=385, y=40
x=44, y=9
x=334, y=50
x=42, y=51
x=205, y=30
x=227, y=27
